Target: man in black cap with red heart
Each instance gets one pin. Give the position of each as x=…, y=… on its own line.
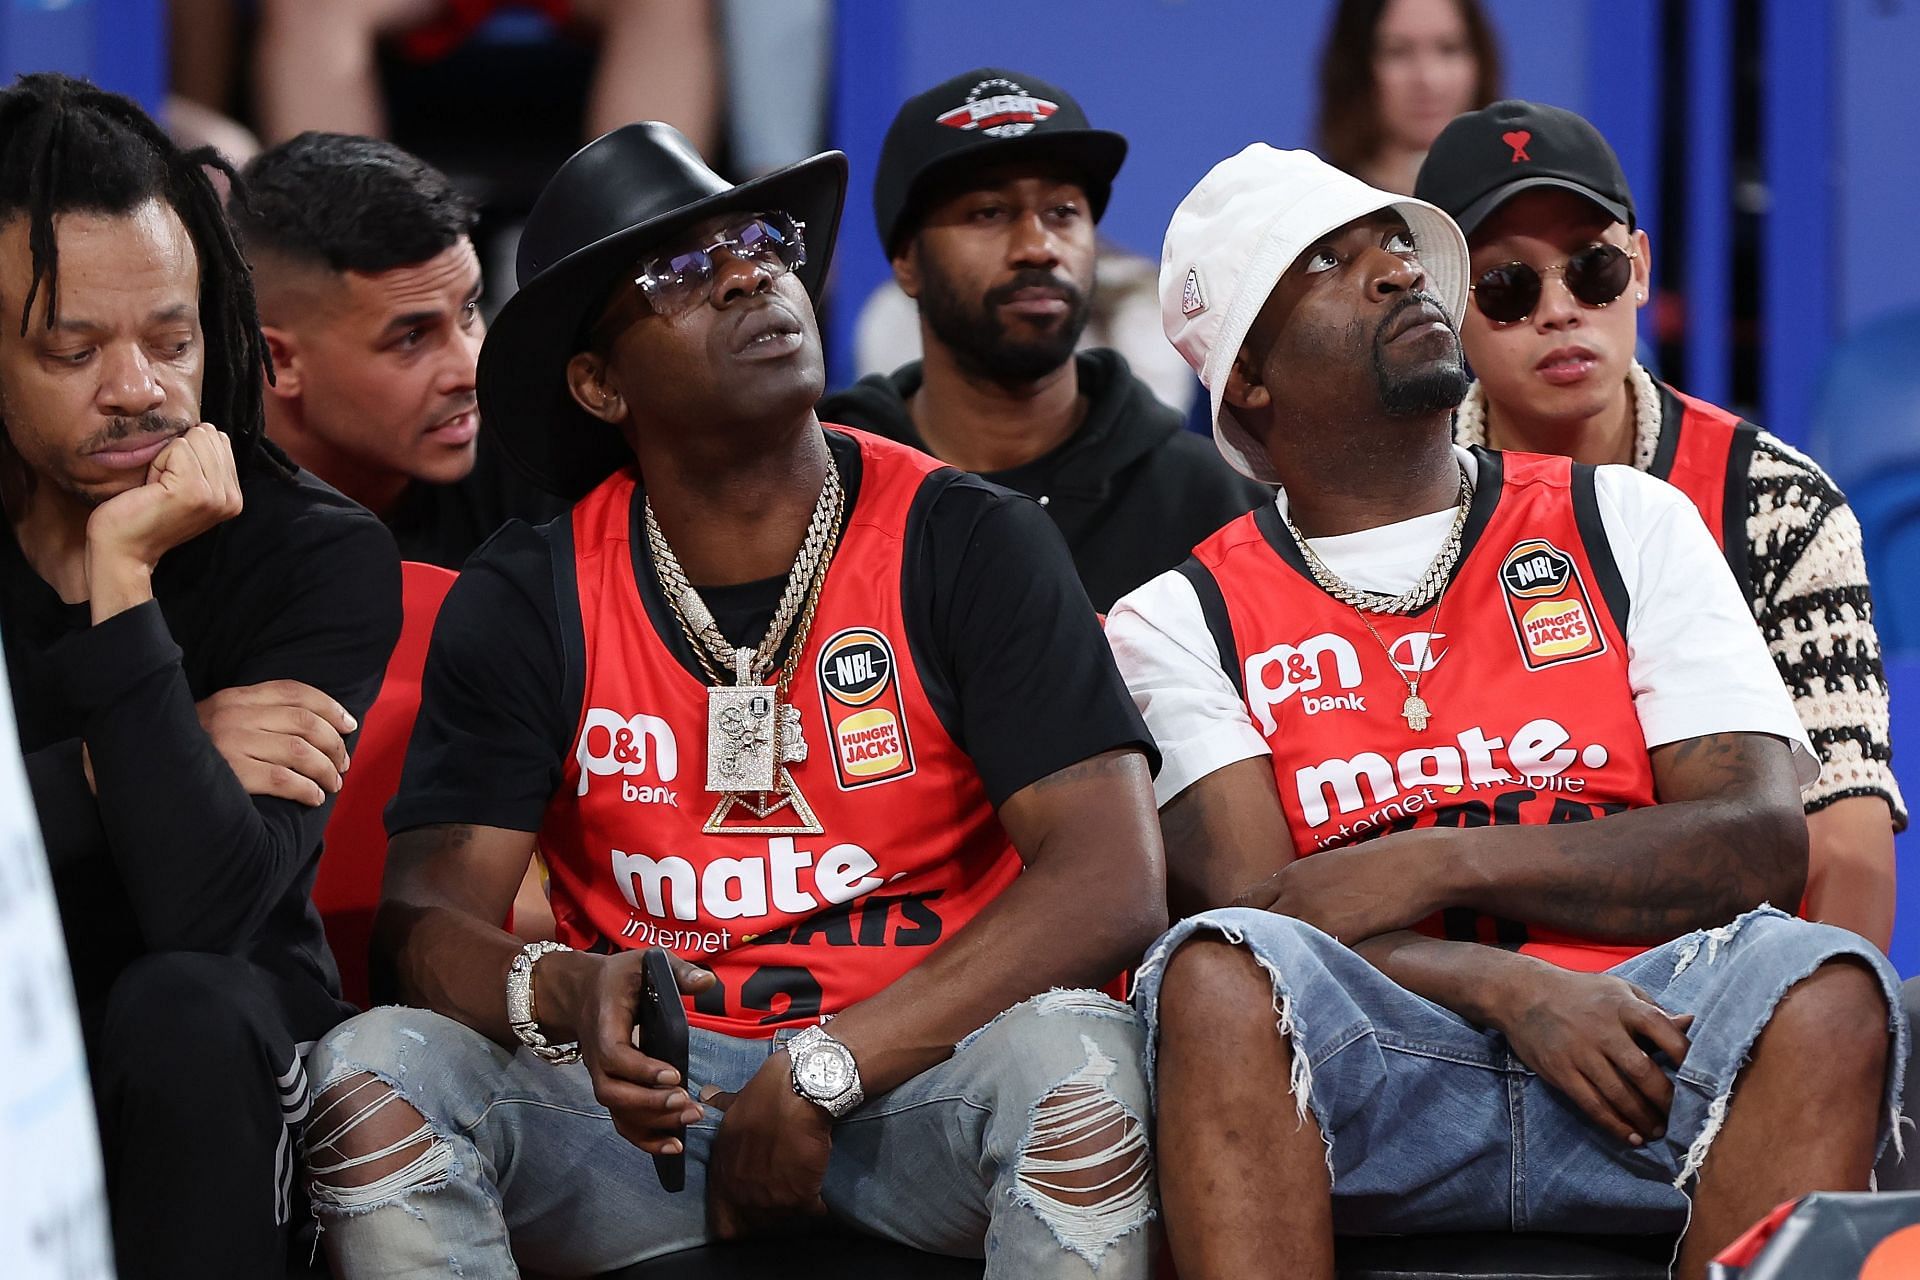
x=989, y=187
x=1560, y=271
x=830, y=723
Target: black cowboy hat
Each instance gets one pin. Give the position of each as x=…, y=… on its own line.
x=616, y=198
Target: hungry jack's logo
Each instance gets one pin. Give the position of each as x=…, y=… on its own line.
x=866, y=721
x=1000, y=109
x=1547, y=601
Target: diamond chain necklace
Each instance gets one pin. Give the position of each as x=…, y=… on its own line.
x=1432, y=588
x=753, y=732
x=1415, y=598
x=720, y=659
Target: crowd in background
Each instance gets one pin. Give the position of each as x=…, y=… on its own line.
x=748, y=82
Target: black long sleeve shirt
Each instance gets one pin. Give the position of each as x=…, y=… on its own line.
x=174, y=854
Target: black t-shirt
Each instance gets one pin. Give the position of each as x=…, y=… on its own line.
x=173, y=854
x=1009, y=650
x=444, y=523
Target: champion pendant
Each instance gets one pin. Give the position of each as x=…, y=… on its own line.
x=1415, y=710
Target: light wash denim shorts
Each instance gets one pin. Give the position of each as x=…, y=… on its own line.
x=1433, y=1125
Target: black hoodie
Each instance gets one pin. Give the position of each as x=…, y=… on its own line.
x=1132, y=491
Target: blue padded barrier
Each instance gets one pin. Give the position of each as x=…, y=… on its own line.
x=1866, y=421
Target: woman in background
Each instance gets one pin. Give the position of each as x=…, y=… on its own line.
x=1393, y=73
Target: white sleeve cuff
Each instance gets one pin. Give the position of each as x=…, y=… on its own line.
x=1198, y=757
x=1172, y=668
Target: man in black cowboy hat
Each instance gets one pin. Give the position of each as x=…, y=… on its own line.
x=989, y=187
x=796, y=705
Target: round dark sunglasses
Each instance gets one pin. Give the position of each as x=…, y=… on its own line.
x=1599, y=273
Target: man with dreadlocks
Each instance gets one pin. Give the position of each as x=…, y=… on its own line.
x=185, y=614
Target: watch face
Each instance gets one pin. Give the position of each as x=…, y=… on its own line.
x=823, y=1074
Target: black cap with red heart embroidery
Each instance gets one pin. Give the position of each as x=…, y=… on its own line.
x=1484, y=158
x=978, y=118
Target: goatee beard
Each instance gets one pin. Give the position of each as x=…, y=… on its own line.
x=1431, y=388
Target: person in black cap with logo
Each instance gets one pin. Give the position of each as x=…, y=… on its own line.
x=1560, y=270
x=989, y=188
x=753, y=697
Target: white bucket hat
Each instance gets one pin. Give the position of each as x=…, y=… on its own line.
x=1235, y=235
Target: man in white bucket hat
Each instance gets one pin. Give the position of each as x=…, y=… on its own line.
x=1477, y=774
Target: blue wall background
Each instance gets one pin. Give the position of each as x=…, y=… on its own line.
x=118, y=44
x=1874, y=162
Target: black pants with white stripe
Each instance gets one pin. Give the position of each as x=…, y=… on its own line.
x=198, y=1075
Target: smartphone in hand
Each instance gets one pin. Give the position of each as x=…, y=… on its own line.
x=662, y=1022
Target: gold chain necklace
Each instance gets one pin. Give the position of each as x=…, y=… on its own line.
x=1414, y=710
x=753, y=732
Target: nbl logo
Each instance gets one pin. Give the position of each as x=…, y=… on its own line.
x=1536, y=568
x=866, y=720
x=858, y=668
x=1547, y=602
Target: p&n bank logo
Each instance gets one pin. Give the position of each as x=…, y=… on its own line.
x=629, y=746
x=1284, y=670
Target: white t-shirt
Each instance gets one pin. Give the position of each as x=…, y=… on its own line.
x=53, y=1204
x=1696, y=661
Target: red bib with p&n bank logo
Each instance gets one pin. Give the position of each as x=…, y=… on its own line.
x=1522, y=665
x=794, y=926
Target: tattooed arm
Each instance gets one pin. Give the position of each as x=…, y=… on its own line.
x=1037, y=705
x=447, y=887
x=1726, y=835
x=1577, y=1030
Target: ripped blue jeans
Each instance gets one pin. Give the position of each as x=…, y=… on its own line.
x=1432, y=1124
x=519, y=1166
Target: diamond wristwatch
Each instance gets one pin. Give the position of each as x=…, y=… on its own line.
x=824, y=1072
x=520, y=1014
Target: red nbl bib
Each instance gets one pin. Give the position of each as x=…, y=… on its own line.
x=793, y=926
x=1524, y=672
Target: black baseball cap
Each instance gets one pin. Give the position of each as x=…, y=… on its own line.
x=1484, y=158
x=982, y=117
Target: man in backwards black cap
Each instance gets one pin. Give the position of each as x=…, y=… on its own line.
x=758, y=709
x=1560, y=272
x=989, y=188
